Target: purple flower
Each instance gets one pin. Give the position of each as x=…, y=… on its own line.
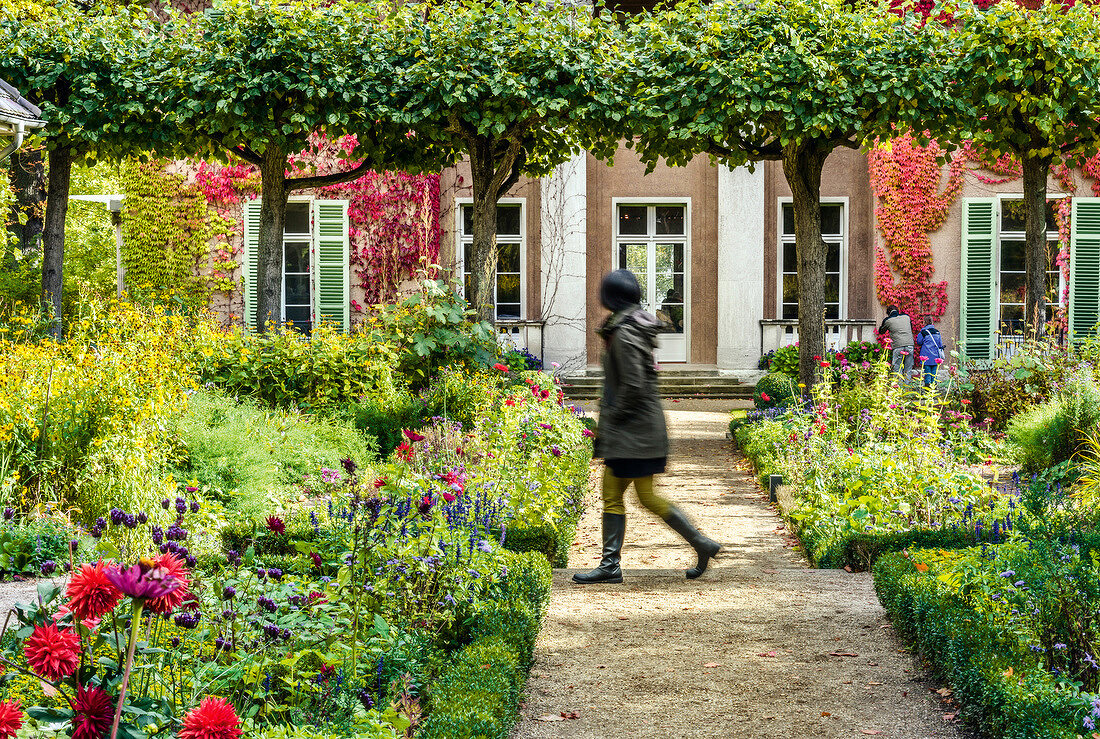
x=9, y=513
x=266, y=603
x=143, y=518
x=187, y=619
x=143, y=581
x=229, y=592
x=49, y=567
x=181, y=506
x=555, y=450
x=194, y=506
x=275, y=574
x=166, y=504
x=157, y=533
x=1008, y=573
x=117, y=516
x=233, y=557
x=271, y=630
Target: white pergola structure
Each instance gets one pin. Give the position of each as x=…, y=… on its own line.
x=17, y=116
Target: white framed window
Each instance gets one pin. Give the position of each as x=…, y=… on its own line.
x=509, y=283
x=834, y=231
x=1011, y=264
x=651, y=240
x=297, y=239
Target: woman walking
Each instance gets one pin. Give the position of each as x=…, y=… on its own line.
x=631, y=436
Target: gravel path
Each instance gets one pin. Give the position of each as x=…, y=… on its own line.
x=761, y=646
x=17, y=591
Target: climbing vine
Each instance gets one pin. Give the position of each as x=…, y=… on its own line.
x=906, y=178
x=175, y=247
x=393, y=216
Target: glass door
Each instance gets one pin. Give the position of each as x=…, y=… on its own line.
x=652, y=243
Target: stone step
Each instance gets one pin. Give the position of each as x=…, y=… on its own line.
x=702, y=391
x=664, y=382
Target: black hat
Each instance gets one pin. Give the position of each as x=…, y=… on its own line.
x=619, y=290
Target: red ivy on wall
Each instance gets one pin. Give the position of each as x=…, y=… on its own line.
x=394, y=216
x=906, y=178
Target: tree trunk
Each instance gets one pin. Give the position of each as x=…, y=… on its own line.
x=481, y=255
x=269, y=263
x=53, y=235
x=1035, y=170
x=802, y=164
x=28, y=181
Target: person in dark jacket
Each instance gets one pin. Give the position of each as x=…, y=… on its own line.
x=900, y=327
x=631, y=435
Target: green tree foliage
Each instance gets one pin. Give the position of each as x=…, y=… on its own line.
x=1028, y=84
x=510, y=85
x=257, y=79
x=789, y=81
x=87, y=72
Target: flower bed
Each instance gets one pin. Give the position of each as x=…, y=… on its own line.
x=867, y=478
x=378, y=597
x=1013, y=628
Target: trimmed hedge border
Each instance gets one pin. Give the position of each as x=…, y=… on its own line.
x=974, y=657
x=478, y=696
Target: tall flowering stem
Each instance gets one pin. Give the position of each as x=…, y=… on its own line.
x=135, y=620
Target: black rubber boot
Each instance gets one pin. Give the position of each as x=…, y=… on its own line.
x=614, y=528
x=705, y=548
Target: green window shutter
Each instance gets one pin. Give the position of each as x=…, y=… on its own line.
x=251, y=259
x=331, y=291
x=1084, y=269
x=978, y=291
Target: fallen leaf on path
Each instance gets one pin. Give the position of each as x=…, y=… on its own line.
x=947, y=691
x=826, y=714
x=766, y=654
x=949, y=716
x=601, y=667
x=1008, y=672
x=874, y=684
x=549, y=717
x=771, y=572
x=712, y=664
x=622, y=618
x=870, y=732
x=570, y=714
x=847, y=568
x=843, y=654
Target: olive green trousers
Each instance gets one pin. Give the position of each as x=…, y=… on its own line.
x=615, y=487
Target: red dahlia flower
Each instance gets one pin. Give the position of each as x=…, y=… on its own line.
x=11, y=719
x=176, y=569
x=412, y=435
x=276, y=525
x=213, y=719
x=51, y=652
x=91, y=593
x=93, y=713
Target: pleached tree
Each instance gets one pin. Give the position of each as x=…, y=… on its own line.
x=82, y=68
x=783, y=80
x=508, y=84
x=1028, y=81
x=254, y=81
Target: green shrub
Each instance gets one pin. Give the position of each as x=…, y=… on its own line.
x=1056, y=430
x=478, y=695
x=779, y=388
x=252, y=458
x=1009, y=695
x=26, y=545
x=785, y=361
